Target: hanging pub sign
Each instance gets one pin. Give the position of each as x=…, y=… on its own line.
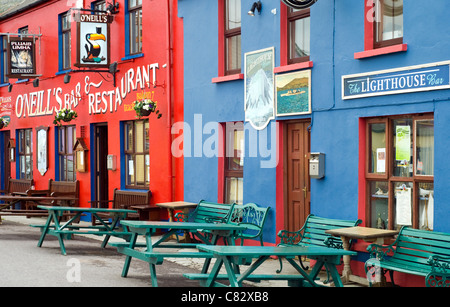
x=21, y=57
x=93, y=40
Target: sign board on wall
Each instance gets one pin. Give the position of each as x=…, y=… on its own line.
x=434, y=76
x=93, y=41
x=21, y=57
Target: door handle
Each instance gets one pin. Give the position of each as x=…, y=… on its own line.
x=304, y=191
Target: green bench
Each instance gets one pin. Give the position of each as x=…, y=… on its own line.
x=417, y=252
x=313, y=234
x=252, y=217
x=206, y=211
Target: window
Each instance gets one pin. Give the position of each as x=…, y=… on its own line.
x=65, y=41
x=135, y=26
x=232, y=37
x=298, y=35
x=99, y=6
x=388, y=23
x=234, y=163
x=400, y=170
x=25, y=150
x=137, y=157
x=4, y=59
x=66, y=141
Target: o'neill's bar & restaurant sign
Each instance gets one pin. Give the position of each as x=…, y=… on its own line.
x=435, y=76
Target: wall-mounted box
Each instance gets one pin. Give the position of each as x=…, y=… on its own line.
x=111, y=162
x=317, y=165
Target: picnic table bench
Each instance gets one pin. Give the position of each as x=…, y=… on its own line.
x=417, y=252
x=67, y=229
x=313, y=233
x=231, y=256
x=155, y=252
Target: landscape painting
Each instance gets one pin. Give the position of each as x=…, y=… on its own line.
x=293, y=93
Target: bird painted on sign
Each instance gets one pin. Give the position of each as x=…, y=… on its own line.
x=93, y=50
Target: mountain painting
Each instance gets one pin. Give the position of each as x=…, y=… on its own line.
x=293, y=93
x=259, y=88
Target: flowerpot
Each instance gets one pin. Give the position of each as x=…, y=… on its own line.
x=145, y=112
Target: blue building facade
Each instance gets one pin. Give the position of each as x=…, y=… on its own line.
x=379, y=92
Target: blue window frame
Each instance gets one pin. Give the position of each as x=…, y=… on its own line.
x=64, y=35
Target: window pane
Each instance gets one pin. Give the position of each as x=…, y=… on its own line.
x=235, y=148
x=136, y=31
x=139, y=129
x=403, y=204
x=390, y=21
x=233, y=14
x=140, y=170
x=234, y=188
x=379, y=199
x=426, y=206
x=233, y=49
x=402, y=147
x=425, y=147
x=300, y=38
x=129, y=169
x=377, y=145
x=28, y=142
x=128, y=137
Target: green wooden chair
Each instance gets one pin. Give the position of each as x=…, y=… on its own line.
x=251, y=216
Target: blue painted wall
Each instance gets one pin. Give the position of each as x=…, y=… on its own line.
x=337, y=32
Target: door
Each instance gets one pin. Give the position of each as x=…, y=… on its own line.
x=297, y=187
x=101, y=153
x=5, y=165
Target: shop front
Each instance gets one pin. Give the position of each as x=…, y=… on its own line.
x=79, y=115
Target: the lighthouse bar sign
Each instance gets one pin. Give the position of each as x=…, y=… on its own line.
x=426, y=77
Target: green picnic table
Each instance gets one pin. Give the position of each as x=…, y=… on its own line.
x=54, y=227
x=231, y=256
x=155, y=252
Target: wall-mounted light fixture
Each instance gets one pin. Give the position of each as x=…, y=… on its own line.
x=113, y=8
x=67, y=78
x=10, y=86
x=255, y=6
x=36, y=82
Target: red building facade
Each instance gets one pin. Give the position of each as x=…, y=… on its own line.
x=74, y=71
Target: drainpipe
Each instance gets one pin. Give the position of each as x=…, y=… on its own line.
x=169, y=99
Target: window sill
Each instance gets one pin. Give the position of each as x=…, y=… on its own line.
x=133, y=56
x=227, y=78
x=292, y=67
x=381, y=51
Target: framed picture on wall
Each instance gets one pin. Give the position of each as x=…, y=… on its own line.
x=259, y=87
x=293, y=93
x=42, y=149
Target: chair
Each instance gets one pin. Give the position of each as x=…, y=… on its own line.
x=251, y=216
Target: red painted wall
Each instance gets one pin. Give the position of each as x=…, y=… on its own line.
x=162, y=47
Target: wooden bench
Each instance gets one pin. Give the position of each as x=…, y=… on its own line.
x=60, y=188
x=134, y=200
x=251, y=216
x=17, y=186
x=313, y=233
x=417, y=252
